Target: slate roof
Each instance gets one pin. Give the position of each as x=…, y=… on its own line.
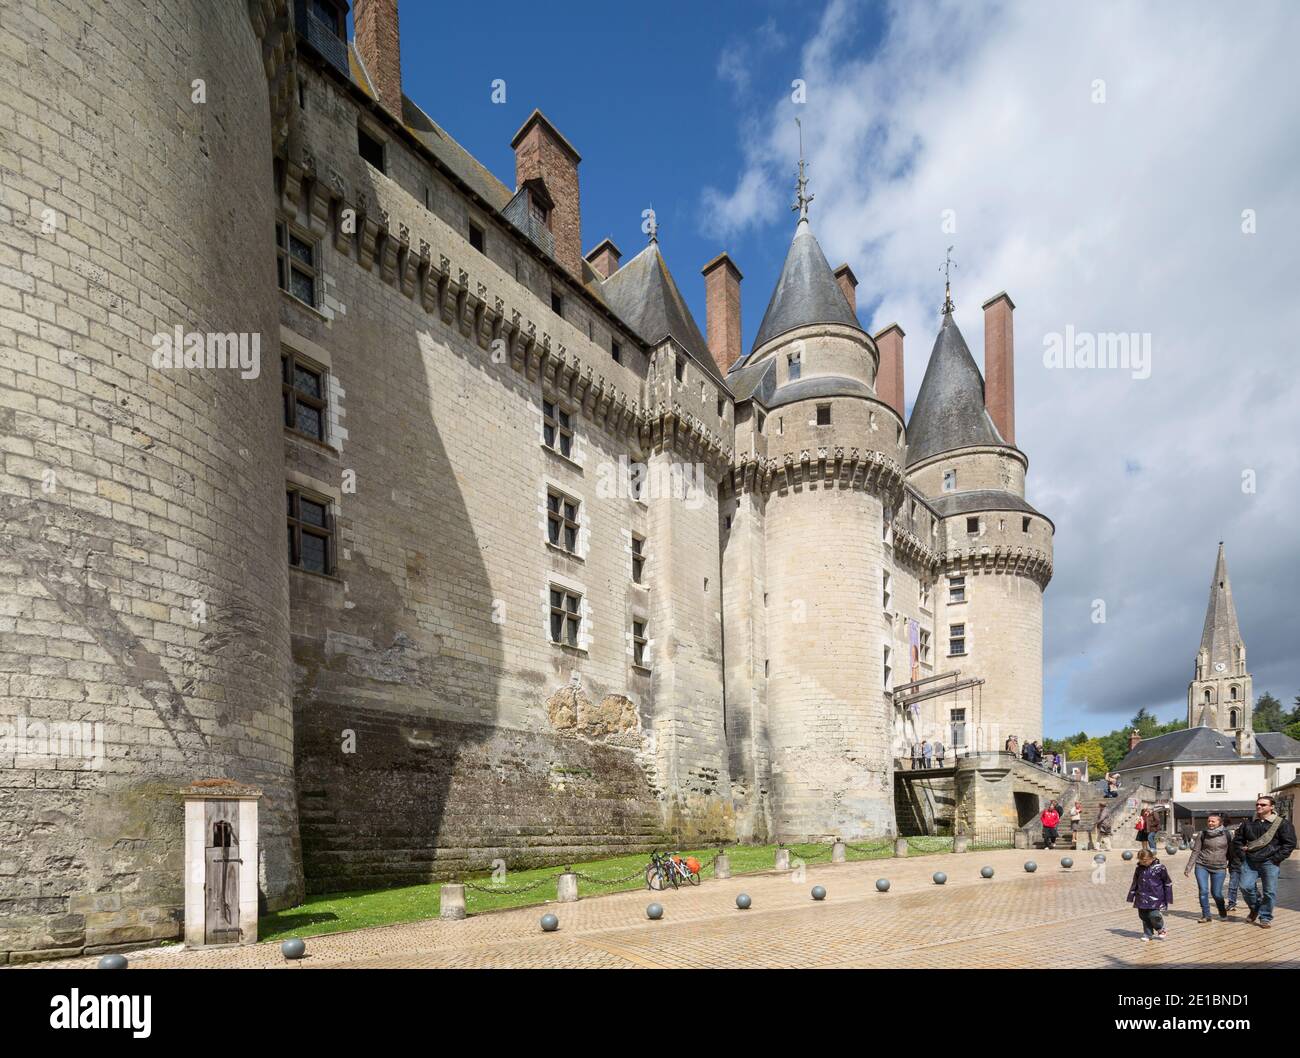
x=806, y=292
x=949, y=411
x=820, y=386
x=1221, y=637
x=753, y=380
x=645, y=297
x=1206, y=744
x=948, y=503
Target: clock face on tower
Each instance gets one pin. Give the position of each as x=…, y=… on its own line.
x=1219, y=666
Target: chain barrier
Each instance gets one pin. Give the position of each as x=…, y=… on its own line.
x=869, y=848
x=507, y=890
x=638, y=873
x=822, y=851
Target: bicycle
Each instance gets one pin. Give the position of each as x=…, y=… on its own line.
x=657, y=875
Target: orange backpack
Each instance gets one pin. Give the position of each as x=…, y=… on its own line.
x=692, y=865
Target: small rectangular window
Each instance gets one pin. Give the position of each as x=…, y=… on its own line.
x=949, y=480
x=923, y=649
x=639, y=641
x=557, y=429
x=557, y=303
x=887, y=594
x=794, y=362
x=370, y=148
x=972, y=525
x=1217, y=782
x=957, y=640
x=761, y=420
x=311, y=531
x=956, y=589
x=889, y=669
x=638, y=558
x=566, y=616
x=1024, y=525
x=722, y=408
x=476, y=238
x=302, y=388
x=616, y=351
x=297, y=263
x=680, y=367
x=562, y=521
x=823, y=414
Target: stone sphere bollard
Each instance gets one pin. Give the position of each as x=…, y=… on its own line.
x=1099, y=858
x=782, y=859
x=1171, y=849
x=566, y=888
x=939, y=878
x=117, y=962
x=986, y=872
x=838, y=853
x=743, y=901
x=882, y=885
x=550, y=923
x=654, y=912
x=1127, y=854
x=1030, y=866
x=819, y=892
x=722, y=866
x=293, y=948
x=1066, y=862
x=451, y=902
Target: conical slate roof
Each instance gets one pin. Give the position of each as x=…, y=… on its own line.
x=806, y=292
x=949, y=410
x=644, y=296
x=1221, y=636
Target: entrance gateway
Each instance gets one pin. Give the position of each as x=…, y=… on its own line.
x=220, y=862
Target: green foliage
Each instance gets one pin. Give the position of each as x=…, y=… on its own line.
x=1294, y=731
x=1091, y=751
x=1268, y=714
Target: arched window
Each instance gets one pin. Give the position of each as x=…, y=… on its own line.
x=1232, y=718
x=1234, y=694
x=1207, y=696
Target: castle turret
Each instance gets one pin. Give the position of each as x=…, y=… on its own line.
x=1220, y=693
x=996, y=548
x=147, y=643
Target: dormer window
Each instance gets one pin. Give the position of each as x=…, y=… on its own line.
x=949, y=481
x=795, y=364
x=371, y=148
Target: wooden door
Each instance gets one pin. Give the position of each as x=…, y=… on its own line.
x=221, y=888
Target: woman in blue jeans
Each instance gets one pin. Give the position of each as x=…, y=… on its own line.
x=1210, y=860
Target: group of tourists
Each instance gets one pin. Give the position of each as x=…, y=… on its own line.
x=925, y=753
x=1033, y=753
x=1249, y=857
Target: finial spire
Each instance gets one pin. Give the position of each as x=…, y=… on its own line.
x=801, y=196
x=652, y=224
x=948, y=265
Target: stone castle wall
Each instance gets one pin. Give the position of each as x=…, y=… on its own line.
x=142, y=577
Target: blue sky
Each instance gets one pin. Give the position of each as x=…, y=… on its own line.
x=1115, y=170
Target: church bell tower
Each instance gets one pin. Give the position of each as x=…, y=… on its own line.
x=1220, y=693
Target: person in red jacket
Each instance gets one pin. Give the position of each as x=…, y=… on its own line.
x=1050, y=818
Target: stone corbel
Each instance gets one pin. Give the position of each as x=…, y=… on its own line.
x=367, y=234
x=407, y=262
x=464, y=304
x=447, y=293
x=388, y=246
x=482, y=317
x=291, y=193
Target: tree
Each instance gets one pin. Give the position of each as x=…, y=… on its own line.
x=1268, y=715
x=1294, y=731
x=1092, y=752
x=1145, y=721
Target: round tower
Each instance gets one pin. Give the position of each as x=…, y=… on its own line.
x=996, y=549
x=836, y=451
x=145, y=633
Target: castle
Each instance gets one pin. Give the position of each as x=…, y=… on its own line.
x=503, y=558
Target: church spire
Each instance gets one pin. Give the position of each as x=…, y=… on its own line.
x=1221, y=638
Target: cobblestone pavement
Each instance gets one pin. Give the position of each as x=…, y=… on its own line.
x=1052, y=918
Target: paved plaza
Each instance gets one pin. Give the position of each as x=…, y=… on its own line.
x=1052, y=918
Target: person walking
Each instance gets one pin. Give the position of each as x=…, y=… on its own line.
x=1265, y=842
x=927, y=754
x=1102, y=830
x=1210, y=861
x=1112, y=784
x=1234, y=868
x=939, y=752
x=916, y=756
x=1076, y=817
x=1148, y=827
x=1151, y=893
x=1050, y=817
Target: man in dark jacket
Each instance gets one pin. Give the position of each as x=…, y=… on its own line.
x=1263, y=843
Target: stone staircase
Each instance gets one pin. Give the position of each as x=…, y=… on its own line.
x=1091, y=803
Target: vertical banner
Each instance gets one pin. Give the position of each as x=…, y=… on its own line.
x=914, y=646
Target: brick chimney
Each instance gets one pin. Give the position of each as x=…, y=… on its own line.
x=379, y=45
x=542, y=153
x=1000, y=365
x=849, y=284
x=722, y=310
x=604, y=258
x=1133, y=739
x=889, y=379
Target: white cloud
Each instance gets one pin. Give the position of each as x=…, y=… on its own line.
x=1122, y=216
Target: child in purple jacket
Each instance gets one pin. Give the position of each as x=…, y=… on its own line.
x=1152, y=891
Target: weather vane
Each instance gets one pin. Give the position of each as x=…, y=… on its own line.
x=802, y=198
x=652, y=224
x=948, y=265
